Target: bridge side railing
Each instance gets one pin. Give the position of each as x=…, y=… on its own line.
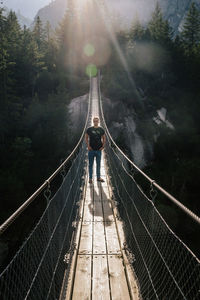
x=164, y=266
x=37, y=269
x=46, y=184
x=151, y=181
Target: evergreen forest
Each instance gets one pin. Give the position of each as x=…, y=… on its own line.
x=42, y=70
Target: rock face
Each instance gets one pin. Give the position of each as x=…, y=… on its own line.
x=173, y=10
x=176, y=10
x=125, y=131
x=54, y=12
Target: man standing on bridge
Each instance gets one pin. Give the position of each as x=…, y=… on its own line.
x=95, y=139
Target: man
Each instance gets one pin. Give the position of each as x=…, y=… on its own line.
x=95, y=139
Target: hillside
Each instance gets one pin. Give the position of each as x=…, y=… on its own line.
x=21, y=19
x=173, y=10
x=54, y=12
x=26, y=9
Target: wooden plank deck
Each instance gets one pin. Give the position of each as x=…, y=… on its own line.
x=100, y=268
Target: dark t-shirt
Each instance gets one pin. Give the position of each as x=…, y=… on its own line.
x=95, y=135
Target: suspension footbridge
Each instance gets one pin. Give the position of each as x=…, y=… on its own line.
x=102, y=240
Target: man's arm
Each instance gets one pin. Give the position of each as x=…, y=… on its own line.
x=87, y=141
x=103, y=141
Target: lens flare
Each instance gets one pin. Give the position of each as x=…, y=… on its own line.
x=89, y=50
x=91, y=70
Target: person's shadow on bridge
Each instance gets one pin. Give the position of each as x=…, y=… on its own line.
x=100, y=205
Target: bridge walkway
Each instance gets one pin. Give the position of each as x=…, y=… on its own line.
x=100, y=268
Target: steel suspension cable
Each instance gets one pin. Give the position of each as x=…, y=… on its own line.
x=153, y=182
x=18, y=212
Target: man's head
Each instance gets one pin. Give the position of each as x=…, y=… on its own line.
x=96, y=121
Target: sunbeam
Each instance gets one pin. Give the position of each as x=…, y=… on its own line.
x=87, y=41
x=105, y=15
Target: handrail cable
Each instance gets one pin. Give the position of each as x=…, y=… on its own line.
x=12, y=218
x=153, y=182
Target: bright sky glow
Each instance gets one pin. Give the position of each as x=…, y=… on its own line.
x=28, y=8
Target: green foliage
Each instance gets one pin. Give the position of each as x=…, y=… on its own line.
x=40, y=72
x=158, y=27
x=38, y=32
x=35, y=88
x=166, y=73
x=191, y=28
x=136, y=31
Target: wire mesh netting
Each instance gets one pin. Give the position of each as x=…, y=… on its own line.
x=37, y=269
x=165, y=267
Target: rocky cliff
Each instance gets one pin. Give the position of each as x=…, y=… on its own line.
x=54, y=12
x=176, y=10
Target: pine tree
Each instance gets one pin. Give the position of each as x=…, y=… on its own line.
x=38, y=32
x=69, y=37
x=137, y=30
x=191, y=28
x=158, y=27
x=3, y=59
x=47, y=31
x=65, y=30
x=12, y=38
x=13, y=34
x=31, y=62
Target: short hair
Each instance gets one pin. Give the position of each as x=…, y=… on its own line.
x=95, y=118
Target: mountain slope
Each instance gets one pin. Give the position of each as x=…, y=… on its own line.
x=21, y=19
x=173, y=10
x=54, y=12
x=27, y=8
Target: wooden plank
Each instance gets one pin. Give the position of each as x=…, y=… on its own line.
x=112, y=238
x=89, y=193
x=105, y=192
x=86, y=238
x=97, y=192
x=107, y=209
x=99, y=242
x=135, y=293
x=102, y=171
x=82, y=284
x=98, y=213
x=107, y=203
x=88, y=211
x=121, y=231
x=100, y=287
x=96, y=231
x=119, y=287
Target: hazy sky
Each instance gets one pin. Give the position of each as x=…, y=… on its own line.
x=28, y=8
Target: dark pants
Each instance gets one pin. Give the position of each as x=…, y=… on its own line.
x=91, y=155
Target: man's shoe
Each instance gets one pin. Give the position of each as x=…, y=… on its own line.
x=100, y=179
x=90, y=180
